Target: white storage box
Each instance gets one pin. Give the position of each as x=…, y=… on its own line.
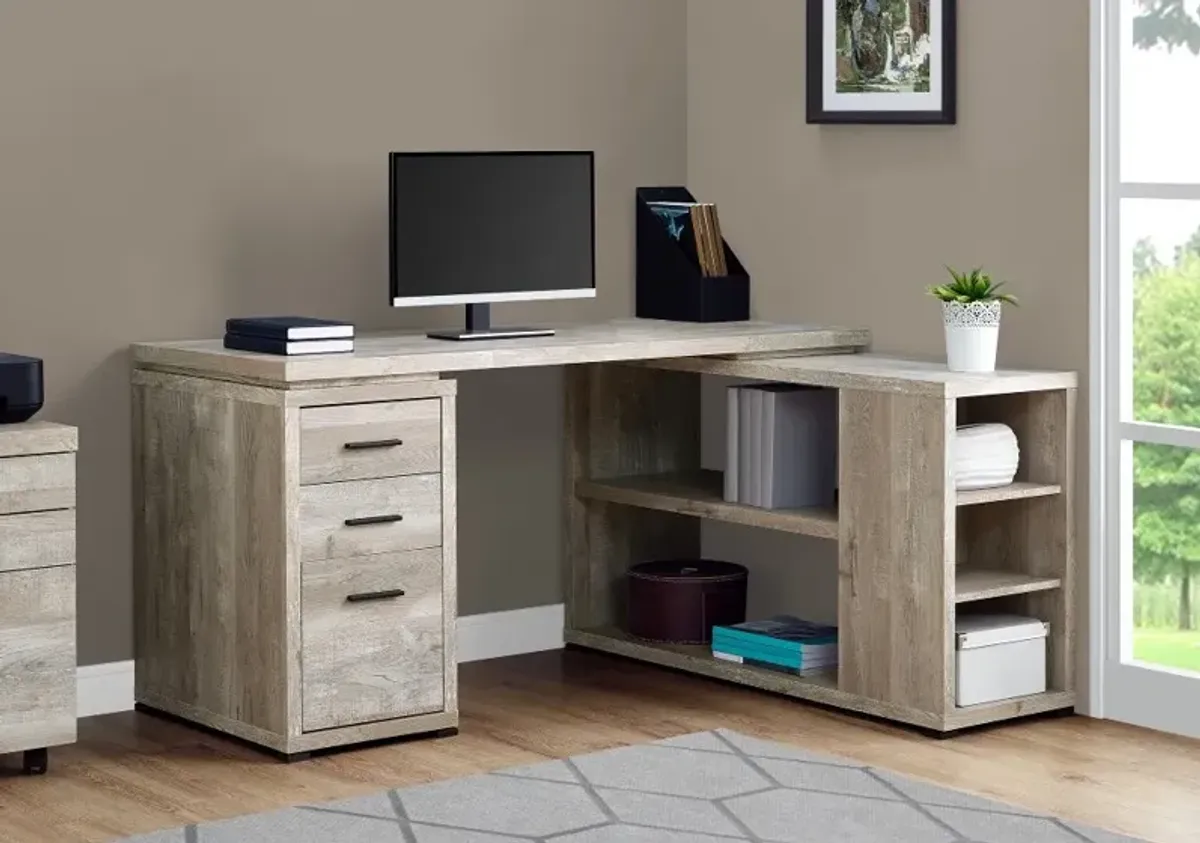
x=999, y=657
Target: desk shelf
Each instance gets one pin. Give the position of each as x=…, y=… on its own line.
x=701, y=494
x=973, y=585
x=819, y=687
x=912, y=550
x=1011, y=492
x=822, y=687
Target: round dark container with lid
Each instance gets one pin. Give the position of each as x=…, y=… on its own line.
x=679, y=601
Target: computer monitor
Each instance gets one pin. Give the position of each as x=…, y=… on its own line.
x=474, y=228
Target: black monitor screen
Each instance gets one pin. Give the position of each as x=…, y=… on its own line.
x=479, y=227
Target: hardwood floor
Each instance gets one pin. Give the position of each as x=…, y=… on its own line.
x=131, y=773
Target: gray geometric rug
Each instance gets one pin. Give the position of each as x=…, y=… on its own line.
x=709, y=787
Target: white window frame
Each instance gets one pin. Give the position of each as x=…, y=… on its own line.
x=1097, y=360
x=1112, y=430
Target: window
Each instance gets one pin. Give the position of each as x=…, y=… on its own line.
x=1148, y=353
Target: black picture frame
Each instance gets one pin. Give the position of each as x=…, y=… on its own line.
x=945, y=114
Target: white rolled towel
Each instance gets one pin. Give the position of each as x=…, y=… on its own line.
x=985, y=456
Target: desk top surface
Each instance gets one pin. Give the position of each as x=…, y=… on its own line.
x=888, y=374
x=391, y=355
x=37, y=437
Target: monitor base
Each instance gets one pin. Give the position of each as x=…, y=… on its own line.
x=491, y=334
x=479, y=327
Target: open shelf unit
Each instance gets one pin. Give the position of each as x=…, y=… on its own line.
x=700, y=494
x=912, y=550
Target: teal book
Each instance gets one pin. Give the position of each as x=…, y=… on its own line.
x=770, y=646
x=785, y=633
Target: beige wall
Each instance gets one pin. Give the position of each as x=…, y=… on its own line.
x=163, y=166
x=166, y=165
x=849, y=224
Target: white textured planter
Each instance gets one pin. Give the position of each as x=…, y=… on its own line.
x=972, y=331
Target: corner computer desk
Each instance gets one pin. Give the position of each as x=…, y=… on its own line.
x=295, y=520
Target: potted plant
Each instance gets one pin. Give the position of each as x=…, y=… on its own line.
x=971, y=304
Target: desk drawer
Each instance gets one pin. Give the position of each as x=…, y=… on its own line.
x=37, y=540
x=363, y=441
x=37, y=658
x=29, y=484
x=361, y=517
x=373, y=638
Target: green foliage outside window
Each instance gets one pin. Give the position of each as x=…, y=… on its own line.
x=1166, y=390
x=1170, y=23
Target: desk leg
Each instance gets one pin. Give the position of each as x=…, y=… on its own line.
x=623, y=420
x=36, y=762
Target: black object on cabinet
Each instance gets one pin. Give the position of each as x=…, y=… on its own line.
x=669, y=282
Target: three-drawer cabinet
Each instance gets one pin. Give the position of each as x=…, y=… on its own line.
x=294, y=558
x=37, y=589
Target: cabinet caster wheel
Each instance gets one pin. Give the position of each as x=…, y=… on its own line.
x=37, y=761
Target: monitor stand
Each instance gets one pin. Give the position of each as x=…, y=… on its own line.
x=479, y=327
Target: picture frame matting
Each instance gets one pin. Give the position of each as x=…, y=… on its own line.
x=882, y=61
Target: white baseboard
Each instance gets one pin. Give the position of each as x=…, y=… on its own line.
x=104, y=688
x=497, y=634
x=108, y=688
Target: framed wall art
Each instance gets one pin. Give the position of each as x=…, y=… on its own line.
x=882, y=61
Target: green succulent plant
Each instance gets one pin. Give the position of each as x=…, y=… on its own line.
x=966, y=287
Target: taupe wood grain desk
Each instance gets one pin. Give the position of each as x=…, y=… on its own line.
x=295, y=518
x=296, y=521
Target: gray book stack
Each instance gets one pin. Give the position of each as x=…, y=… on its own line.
x=781, y=446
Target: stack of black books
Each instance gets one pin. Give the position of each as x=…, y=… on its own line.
x=289, y=335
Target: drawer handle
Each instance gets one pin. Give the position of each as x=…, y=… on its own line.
x=364, y=596
x=372, y=444
x=373, y=519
